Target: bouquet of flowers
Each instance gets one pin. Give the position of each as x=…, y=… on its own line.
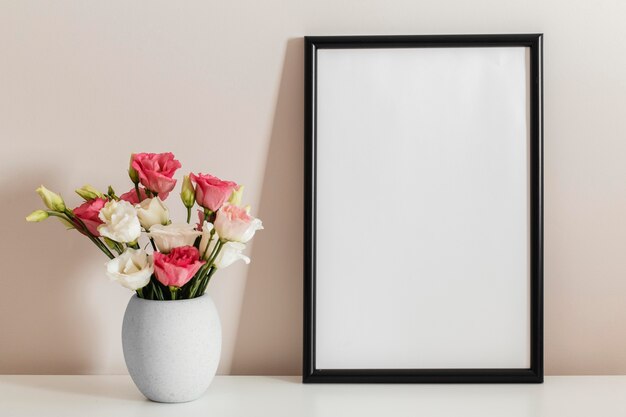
x=184, y=256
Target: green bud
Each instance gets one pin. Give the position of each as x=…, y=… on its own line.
x=37, y=216
x=110, y=243
x=87, y=192
x=187, y=193
x=235, y=197
x=132, y=172
x=52, y=200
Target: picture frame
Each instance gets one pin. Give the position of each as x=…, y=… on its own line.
x=423, y=228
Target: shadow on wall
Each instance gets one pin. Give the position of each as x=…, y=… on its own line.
x=43, y=317
x=269, y=338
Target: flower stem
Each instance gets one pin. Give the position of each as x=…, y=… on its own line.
x=208, y=244
x=188, y=214
x=140, y=293
x=138, y=193
x=215, y=252
x=214, y=256
x=173, y=291
x=205, y=281
x=196, y=281
x=73, y=219
x=159, y=292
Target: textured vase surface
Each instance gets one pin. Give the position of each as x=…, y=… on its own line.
x=172, y=348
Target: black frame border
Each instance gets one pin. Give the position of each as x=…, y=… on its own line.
x=534, y=374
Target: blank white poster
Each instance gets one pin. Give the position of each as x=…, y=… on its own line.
x=422, y=208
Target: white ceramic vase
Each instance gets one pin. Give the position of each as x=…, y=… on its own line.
x=172, y=348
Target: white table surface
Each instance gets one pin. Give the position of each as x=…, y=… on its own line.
x=247, y=396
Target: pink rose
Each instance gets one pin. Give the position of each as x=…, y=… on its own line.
x=88, y=213
x=212, y=192
x=177, y=267
x=156, y=171
x=131, y=196
x=235, y=224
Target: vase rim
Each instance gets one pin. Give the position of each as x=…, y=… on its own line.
x=203, y=296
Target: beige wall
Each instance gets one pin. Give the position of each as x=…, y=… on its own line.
x=85, y=83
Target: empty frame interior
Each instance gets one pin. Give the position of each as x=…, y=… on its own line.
x=422, y=208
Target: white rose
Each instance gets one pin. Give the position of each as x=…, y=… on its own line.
x=206, y=234
x=132, y=269
x=152, y=211
x=230, y=253
x=173, y=235
x=120, y=221
x=233, y=223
